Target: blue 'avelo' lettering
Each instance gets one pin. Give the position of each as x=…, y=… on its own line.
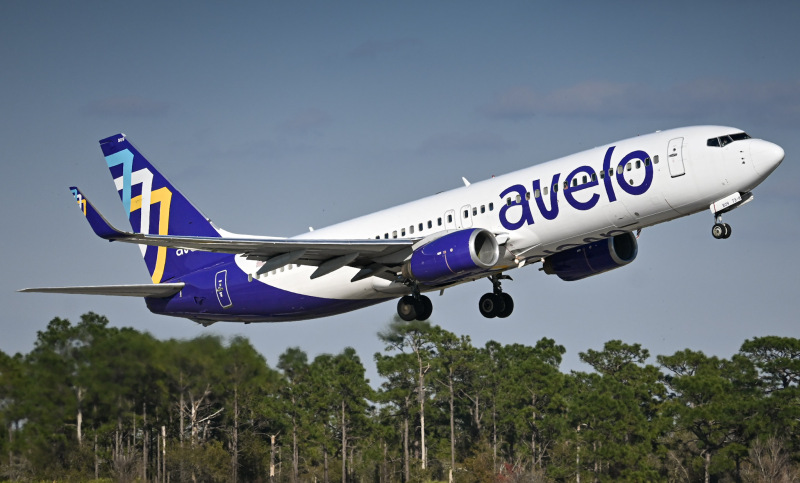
x=572, y=195
x=527, y=216
x=648, y=173
x=568, y=192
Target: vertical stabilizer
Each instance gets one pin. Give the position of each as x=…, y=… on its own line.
x=154, y=206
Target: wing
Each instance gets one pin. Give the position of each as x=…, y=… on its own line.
x=147, y=290
x=381, y=258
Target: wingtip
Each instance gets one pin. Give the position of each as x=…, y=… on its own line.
x=99, y=224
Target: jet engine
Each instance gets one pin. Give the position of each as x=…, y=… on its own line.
x=593, y=258
x=452, y=256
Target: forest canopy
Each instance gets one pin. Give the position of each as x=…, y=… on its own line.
x=91, y=401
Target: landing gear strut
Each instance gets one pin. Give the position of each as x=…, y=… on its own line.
x=414, y=306
x=720, y=230
x=497, y=303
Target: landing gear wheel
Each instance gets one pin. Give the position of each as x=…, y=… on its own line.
x=508, y=306
x=718, y=230
x=491, y=305
x=727, y=230
x=407, y=308
x=424, y=308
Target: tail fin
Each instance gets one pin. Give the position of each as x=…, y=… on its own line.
x=141, y=188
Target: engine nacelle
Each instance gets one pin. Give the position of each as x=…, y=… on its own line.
x=593, y=258
x=457, y=254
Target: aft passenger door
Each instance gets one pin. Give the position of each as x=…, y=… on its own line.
x=675, y=157
x=221, y=287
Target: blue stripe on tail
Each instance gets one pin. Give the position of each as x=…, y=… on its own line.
x=154, y=206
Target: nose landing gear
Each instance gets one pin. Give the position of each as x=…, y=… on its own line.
x=720, y=230
x=497, y=303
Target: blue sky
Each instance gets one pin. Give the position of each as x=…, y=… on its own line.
x=276, y=116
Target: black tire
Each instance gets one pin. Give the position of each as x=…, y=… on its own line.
x=490, y=305
x=727, y=231
x=406, y=308
x=424, y=308
x=718, y=231
x=508, y=306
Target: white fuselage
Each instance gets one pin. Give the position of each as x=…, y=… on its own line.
x=616, y=188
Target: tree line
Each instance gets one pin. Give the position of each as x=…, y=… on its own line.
x=97, y=402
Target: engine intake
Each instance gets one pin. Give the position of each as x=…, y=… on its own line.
x=593, y=258
x=452, y=256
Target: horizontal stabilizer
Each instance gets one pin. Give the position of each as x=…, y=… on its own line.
x=160, y=290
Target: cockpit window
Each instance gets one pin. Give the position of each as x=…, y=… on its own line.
x=725, y=140
x=740, y=136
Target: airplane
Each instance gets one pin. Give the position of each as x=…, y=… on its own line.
x=575, y=215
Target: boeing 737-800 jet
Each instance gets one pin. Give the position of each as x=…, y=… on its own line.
x=576, y=215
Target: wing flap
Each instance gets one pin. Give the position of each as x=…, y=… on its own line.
x=160, y=290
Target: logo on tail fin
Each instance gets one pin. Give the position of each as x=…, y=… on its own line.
x=162, y=196
x=81, y=201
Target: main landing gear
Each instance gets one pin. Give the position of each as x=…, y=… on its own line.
x=720, y=230
x=495, y=304
x=498, y=303
x=414, y=306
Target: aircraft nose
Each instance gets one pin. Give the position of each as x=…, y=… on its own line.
x=766, y=156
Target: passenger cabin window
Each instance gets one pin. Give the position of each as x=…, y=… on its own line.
x=394, y=234
x=420, y=226
x=638, y=164
x=403, y=232
x=439, y=220
x=449, y=218
x=655, y=159
x=430, y=224
x=537, y=193
x=483, y=209
x=411, y=230
x=386, y=236
x=508, y=201
x=491, y=206
x=475, y=211
x=544, y=191
x=466, y=213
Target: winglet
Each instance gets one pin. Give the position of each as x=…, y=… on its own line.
x=99, y=224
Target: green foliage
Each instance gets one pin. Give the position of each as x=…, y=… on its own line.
x=91, y=402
